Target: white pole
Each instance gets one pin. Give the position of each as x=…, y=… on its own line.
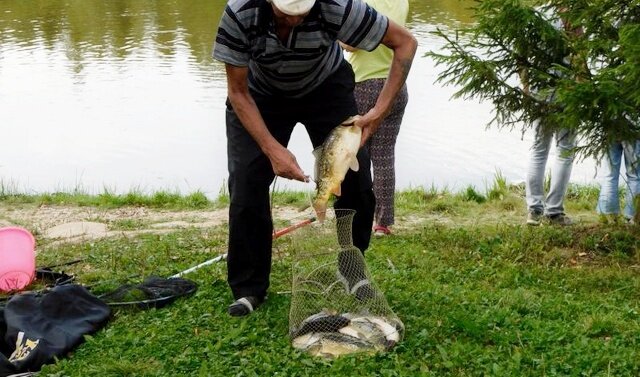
x=277, y=234
x=210, y=261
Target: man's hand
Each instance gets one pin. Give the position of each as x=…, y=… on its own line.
x=285, y=165
x=369, y=123
x=404, y=46
x=282, y=160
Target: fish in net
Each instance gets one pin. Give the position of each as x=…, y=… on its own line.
x=336, y=307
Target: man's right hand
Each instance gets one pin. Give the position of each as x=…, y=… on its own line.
x=282, y=160
x=285, y=165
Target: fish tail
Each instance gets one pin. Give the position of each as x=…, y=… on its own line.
x=320, y=206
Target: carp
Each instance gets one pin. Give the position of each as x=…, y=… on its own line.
x=321, y=323
x=332, y=335
x=335, y=344
x=333, y=160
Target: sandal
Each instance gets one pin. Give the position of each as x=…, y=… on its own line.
x=362, y=289
x=244, y=306
x=381, y=230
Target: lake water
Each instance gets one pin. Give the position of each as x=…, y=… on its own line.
x=123, y=94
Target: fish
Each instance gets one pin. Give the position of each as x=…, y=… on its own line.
x=391, y=333
x=363, y=329
x=330, y=344
x=334, y=158
x=336, y=344
x=329, y=335
x=382, y=332
x=321, y=323
x=352, y=331
x=307, y=341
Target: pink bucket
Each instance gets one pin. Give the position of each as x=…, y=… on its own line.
x=17, y=258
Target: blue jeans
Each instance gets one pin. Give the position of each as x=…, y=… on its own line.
x=560, y=172
x=608, y=202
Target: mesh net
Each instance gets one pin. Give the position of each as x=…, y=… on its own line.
x=336, y=308
x=153, y=292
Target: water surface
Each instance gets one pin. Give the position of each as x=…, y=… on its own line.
x=122, y=95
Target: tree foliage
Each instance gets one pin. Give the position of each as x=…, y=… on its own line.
x=584, y=77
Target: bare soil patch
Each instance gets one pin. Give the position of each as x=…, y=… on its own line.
x=75, y=224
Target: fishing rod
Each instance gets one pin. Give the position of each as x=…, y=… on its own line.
x=293, y=227
x=276, y=235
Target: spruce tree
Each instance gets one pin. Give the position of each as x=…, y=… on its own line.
x=585, y=76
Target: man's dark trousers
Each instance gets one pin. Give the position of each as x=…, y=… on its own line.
x=251, y=174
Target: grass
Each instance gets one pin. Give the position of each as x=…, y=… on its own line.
x=173, y=200
x=479, y=293
x=161, y=199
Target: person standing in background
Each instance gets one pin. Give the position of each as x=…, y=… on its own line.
x=550, y=208
x=608, y=201
x=371, y=70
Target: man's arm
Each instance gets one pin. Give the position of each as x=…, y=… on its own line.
x=282, y=160
x=404, y=46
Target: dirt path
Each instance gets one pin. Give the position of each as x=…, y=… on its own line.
x=64, y=224
x=76, y=224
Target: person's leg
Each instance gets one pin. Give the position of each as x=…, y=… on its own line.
x=608, y=201
x=356, y=196
x=560, y=173
x=250, y=224
x=323, y=110
x=632, y=184
x=366, y=94
x=534, y=184
x=381, y=147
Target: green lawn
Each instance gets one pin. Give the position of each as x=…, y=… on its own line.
x=480, y=294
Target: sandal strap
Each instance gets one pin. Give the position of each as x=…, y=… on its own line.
x=245, y=305
x=382, y=229
x=245, y=301
x=359, y=284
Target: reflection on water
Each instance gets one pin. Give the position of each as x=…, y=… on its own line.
x=442, y=13
x=123, y=94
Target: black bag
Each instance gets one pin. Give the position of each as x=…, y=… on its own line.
x=35, y=328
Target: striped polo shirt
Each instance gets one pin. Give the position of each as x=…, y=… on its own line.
x=247, y=38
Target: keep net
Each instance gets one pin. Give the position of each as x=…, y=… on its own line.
x=336, y=307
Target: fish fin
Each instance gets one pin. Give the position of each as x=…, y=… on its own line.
x=390, y=332
x=351, y=120
x=317, y=153
x=354, y=165
x=350, y=331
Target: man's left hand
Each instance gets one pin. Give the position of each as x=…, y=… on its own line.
x=369, y=123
